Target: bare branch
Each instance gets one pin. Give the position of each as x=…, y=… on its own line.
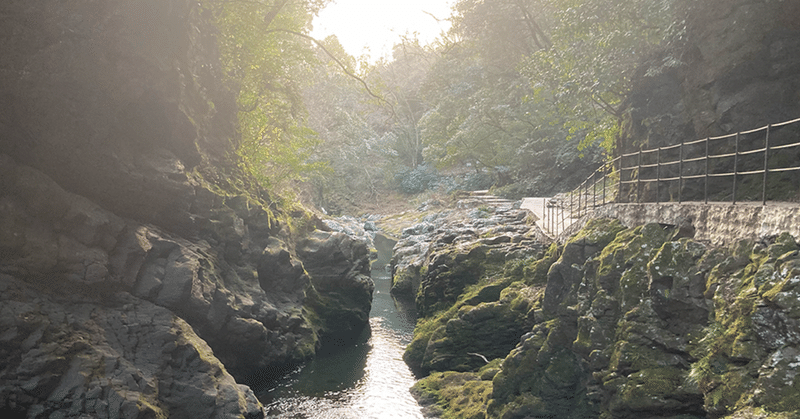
x=339, y=63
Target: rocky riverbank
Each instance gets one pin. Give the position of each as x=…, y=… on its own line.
x=109, y=316
x=141, y=274
x=617, y=323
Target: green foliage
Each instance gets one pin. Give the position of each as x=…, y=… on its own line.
x=416, y=180
x=597, y=45
x=347, y=120
x=267, y=63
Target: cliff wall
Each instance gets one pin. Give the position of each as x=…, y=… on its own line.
x=136, y=281
x=735, y=68
x=618, y=323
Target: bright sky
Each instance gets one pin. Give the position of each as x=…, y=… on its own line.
x=379, y=24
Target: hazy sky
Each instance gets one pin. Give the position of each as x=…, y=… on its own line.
x=379, y=24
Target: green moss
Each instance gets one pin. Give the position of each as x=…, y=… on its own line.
x=761, y=413
x=404, y=279
x=650, y=387
x=598, y=232
x=149, y=409
x=731, y=355
x=487, y=319
x=535, y=270
x=514, y=269
x=457, y=395
x=624, y=261
x=453, y=271
x=423, y=332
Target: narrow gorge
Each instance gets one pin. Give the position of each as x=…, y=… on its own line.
x=147, y=272
x=141, y=276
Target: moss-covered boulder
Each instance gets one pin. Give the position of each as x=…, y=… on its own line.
x=541, y=378
x=750, y=353
x=632, y=322
x=338, y=268
x=484, y=324
x=447, y=274
x=565, y=275
x=479, y=333
x=452, y=395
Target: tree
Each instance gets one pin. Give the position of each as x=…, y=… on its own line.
x=597, y=45
x=340, y=111
x=269, y=65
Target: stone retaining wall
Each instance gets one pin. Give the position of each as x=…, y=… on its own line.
x=716, y=223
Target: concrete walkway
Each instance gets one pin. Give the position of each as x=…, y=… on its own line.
x=551, y=216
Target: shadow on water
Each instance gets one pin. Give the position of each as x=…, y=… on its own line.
x=333, y=370
x=364, y=380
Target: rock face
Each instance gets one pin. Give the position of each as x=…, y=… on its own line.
x=642, y=322
x=466, y=269
x=721, y=81
x=344, y=288
x=116, y=356
x=488, y=233
x=131, y=285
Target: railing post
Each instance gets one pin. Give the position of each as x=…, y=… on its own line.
x=680, y=173
x=544, y=213
x=594, y=189
x=549, y=219
x=605, y=175
x=580, y=196
x=639, y=179
x=766, y=167
x=658, y=175
x=706, y=189
x=619, y=181
x=735, y=168
x=585, y=198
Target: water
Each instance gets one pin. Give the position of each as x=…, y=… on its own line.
x=367, y=381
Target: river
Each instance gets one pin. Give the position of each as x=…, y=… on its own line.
x=365, y=381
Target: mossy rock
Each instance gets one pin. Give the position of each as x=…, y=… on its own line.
x=747, y=351
x=455, y=395
x=541, y=377
x=535, y=270
x=454, y=339
x=449, y=273
x=598, y=232
x=656, y=390
x=623, y=263
x=405, y=281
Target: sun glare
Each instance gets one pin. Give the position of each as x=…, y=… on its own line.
x=372, y=27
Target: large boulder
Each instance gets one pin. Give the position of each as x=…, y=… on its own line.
x=110, y=355
x=257, y=309
x=338, y=267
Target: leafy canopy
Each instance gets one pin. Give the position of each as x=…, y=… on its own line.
x=269, y=64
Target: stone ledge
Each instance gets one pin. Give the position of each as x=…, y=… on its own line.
x=716, y=223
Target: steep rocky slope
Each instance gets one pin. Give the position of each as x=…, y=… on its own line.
x=135, y=280
x=626, y=322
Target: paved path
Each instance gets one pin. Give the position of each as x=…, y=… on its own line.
x=552, y=219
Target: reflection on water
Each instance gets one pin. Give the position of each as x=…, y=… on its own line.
x=369, y=380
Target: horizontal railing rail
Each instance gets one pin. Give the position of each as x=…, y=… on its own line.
x=622, y=179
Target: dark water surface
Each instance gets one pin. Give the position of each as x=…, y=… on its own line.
x=367, y=381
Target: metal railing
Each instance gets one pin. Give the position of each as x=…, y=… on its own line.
x=673, y=169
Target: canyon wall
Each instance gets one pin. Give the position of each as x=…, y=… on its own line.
x=136, y=281
x=736, y=67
